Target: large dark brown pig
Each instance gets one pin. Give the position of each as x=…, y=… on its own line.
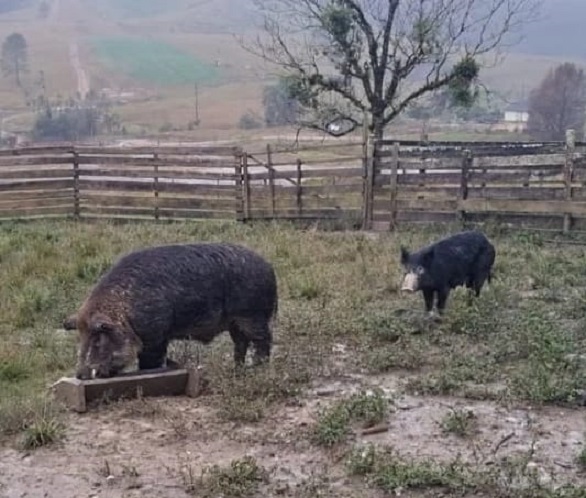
x=184, y=291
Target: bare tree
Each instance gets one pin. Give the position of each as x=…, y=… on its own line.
x=346, y=59
x=558, y=104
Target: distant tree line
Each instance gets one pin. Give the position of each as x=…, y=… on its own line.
x=279, y=106
x=61, y=119
x=558, y=103
x=75, y=119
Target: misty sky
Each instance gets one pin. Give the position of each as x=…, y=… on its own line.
x=561, y=31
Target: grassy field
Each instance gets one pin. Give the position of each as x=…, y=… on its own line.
x=151, y=61
x=219, y=109
x=364, y=395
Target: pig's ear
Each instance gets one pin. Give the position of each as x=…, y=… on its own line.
x=70, y=323
x=404, y=255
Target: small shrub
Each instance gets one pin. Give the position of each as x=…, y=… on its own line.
x=241, y=478
x=306, y=289
x=581, y=459
x=362, y=460
x=20, y=410
x=45, y=430
x=332, y=428
x=367, y=407
x=459, y=422
x=387, y=471
x=250, y=121
x=89, y=270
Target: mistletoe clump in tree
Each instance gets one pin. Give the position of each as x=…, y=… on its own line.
x=346, y=59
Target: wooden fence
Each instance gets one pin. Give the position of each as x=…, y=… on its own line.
x=315, y=183
x=372, y=185
x=137, y=182
x=535, y=185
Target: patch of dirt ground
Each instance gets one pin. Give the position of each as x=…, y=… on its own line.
x=159, y=447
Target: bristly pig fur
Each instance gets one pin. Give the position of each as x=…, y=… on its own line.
x=465, y=258
x=182, y=291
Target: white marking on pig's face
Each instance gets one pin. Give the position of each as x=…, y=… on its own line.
x=412, y=279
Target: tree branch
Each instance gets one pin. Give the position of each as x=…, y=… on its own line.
x=377, y=46
x=428, y=87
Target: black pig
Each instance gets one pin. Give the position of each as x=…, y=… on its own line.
x=183, y=291
x=465, y=258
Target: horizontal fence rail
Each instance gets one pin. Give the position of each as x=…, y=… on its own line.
x=533, y=185
x=117, y=182
x=370, y=185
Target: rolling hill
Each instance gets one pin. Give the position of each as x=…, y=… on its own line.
x=149, y=55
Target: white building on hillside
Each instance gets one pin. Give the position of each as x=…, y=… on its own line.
x=516, y=117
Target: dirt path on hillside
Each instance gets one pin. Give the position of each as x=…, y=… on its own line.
x=83, y=85
x=159, y=447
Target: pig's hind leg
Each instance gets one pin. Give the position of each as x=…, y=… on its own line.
x=428, y=300
x=241, y=343
x=257, y=330
x=442, y=298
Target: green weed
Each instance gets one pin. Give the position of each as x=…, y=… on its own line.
x=334, y=424
x=385, y=469
x=43, y=430
x=241, y=478
x=460, y=422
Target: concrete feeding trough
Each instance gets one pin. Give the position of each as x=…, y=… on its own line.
x=77, y=394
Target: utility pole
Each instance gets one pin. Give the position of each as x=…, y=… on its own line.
x=196, y=122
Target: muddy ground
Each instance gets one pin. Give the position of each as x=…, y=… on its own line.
x=158, y=447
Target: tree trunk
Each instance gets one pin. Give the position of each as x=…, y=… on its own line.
x=377, y=127
x=17, y=73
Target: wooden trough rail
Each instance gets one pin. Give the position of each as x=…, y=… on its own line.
x=78, y=395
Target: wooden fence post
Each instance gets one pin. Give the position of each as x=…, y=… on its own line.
x=370, y=149
x=394, y=185
x=299, y=191
x=156, y=185
x=246, y=181
x=238, y=159
x=466, y=165
x=76, y=208
x=365, y=122
x=569, y=174
x=271, y=179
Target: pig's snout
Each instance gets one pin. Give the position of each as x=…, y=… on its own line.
x=410, y=283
